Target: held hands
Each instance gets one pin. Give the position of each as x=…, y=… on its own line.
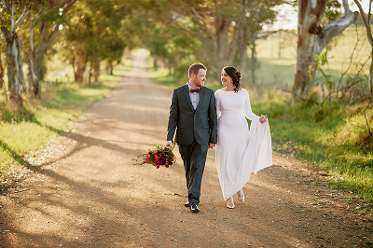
x=262, y=118
x=210, y=145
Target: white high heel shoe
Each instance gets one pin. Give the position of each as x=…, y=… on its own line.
x=230, y=206
x=242, y=197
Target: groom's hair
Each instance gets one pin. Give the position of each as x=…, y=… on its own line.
x=194, y=69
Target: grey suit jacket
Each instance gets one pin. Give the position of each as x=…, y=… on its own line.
x=190, y=124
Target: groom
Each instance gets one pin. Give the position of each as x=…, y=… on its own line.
x=193, y=114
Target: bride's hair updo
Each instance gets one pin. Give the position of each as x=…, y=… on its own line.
x=235, y=75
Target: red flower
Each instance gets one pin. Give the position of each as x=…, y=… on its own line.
x=159, y=157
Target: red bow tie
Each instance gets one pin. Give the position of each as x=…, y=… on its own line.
x=195, y=90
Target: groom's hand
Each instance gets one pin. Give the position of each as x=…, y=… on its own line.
x=211, y=145
x=169, y=143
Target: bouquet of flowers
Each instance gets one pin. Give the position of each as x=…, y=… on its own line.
x=160, y=157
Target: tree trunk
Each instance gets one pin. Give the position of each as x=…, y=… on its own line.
x=307, y=19
x=111, y=68
x=253, y=60
x=1, y=71
x=241, y=40
x=370, y=39
x=38, y=54
x=21, y=76
x=90, y=73
x=96, y=68
x=14, y=85
x=371, y=74
x=155, y=62
x=14, y=64
x=80, y=69
x=241, y=56
x=33, y=79
x=312, y=39
x=46, y=40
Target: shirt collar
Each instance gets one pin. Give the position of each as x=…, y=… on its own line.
x=190, y=87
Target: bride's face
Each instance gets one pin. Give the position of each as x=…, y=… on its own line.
x=225, y=78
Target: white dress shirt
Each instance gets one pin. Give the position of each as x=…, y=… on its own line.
x=194, y=97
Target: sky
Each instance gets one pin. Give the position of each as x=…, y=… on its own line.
x=287, y=17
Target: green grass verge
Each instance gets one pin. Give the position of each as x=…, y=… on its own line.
x=324, y=135
x=327, y=137
x=42, y=119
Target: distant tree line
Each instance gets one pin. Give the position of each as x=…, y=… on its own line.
x=87, y=33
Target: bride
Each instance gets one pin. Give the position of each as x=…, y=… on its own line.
x=239, y=151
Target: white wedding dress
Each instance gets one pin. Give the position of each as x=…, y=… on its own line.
x=239, y=152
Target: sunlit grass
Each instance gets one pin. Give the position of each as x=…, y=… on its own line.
x=329, y=144
x=55, y=112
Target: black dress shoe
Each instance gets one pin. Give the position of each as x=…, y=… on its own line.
x=187, y=204
x=194, y=208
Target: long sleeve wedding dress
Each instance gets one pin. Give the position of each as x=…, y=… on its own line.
x=239, y=151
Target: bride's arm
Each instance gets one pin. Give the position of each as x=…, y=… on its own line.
x=247, y=108
x=217, y=103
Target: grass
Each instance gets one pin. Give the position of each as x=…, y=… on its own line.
x=42, y=119
x=328, y=142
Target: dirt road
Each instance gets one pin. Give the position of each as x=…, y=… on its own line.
x=88, y=190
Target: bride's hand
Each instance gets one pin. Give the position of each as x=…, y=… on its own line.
x=263, y=118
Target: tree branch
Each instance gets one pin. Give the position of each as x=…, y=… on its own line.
x=20, y=41
x=38, y=15
x=6, y=6
x=21, y=18
x=370, y=8
x=351, y=59
x=69, y=4
x=334, y=28
x=369, y=32
x=355, y=81
x=203, y=20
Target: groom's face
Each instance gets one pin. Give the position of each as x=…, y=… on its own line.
x=200, y=78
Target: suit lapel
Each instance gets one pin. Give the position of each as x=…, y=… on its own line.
x=187, y=98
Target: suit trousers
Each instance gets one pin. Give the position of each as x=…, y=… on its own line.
x=194, y=158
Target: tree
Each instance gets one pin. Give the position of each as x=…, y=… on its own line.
x=223, y=27
x=175, y=47
x=313, y=38
x=366, y=21
x=259, y=14
x=2, y=74
x=49, y=15
x=94, y=34
x=9, y=25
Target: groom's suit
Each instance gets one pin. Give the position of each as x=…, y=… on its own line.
x=194, y=130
